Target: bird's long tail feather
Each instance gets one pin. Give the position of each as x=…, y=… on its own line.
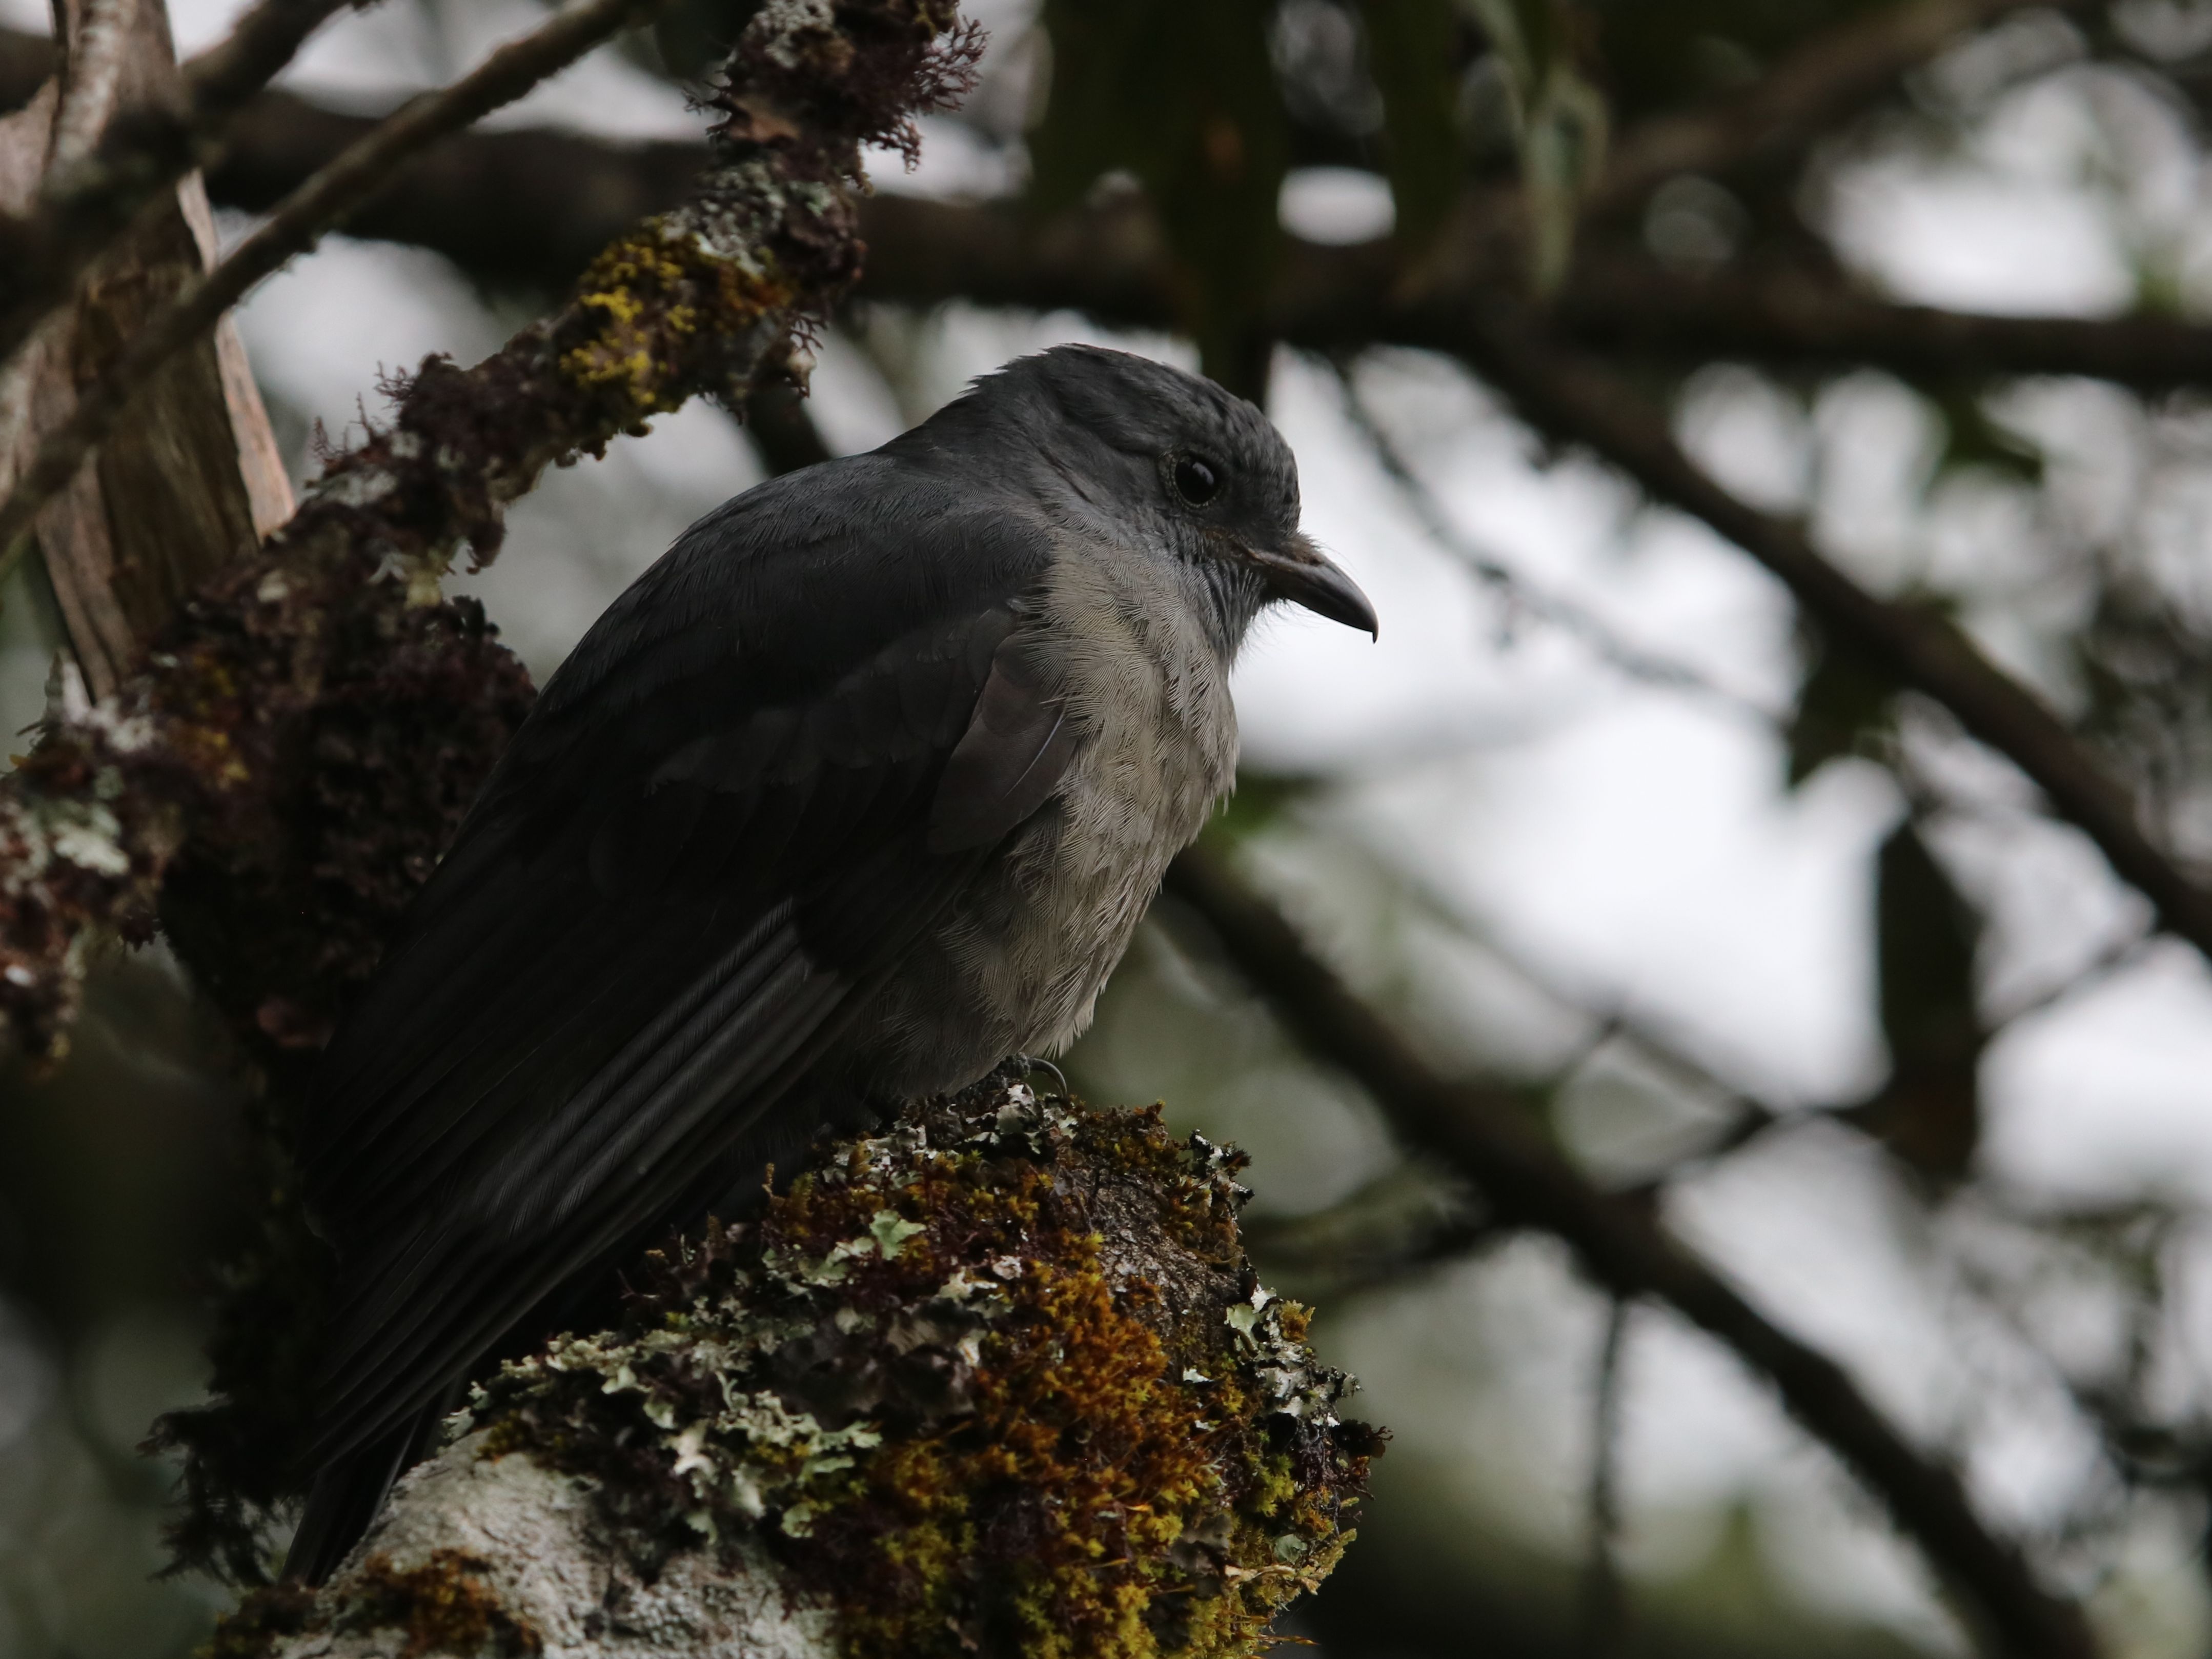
x=348, y=1492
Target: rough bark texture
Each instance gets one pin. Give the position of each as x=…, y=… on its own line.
x=315, y=719
x=194, y=482
x=998, y=1379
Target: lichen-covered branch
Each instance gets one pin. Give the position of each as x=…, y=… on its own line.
x=317, y=207
x=998, y=1379
x=314, y=722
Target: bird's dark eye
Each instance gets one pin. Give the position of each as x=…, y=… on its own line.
x=1196, y=481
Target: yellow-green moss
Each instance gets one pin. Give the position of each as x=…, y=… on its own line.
x=651, y=293
x=998, y=1379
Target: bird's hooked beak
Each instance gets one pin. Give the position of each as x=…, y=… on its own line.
x=1301, y=573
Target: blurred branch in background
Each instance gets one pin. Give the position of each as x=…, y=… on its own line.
x=1526, y=1183
x=1573, y=399
x=1518, y=593
x=527, y=208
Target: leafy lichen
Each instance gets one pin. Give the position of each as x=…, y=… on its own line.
x=998, y=1379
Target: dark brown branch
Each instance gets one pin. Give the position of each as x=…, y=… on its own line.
x=88, y=203
x=302, y=221
x=1488, y=1136
x=1821, y=82
x=1573, y=399
x=316, y=720
x=529, y=208
x=1797, y=317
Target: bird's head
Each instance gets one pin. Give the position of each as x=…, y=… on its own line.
x=1164, y=464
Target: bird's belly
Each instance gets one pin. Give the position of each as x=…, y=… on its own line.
x=1018, y=967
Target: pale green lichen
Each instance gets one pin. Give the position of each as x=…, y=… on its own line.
x=995, y=1380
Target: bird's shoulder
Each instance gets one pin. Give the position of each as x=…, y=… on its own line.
x=758, y=727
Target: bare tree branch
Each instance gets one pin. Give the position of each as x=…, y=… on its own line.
x=530, y=207
x=94, y=193
x=1795, y=316
x=317, y=207
x=1487, y=1138
x=1517, y=591
x=1605, y=1593
x=1804, y=95
x=1573, y=399
x=194, y=480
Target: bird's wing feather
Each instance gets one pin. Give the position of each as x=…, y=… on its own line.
x=1012, y=756
x=711, y=835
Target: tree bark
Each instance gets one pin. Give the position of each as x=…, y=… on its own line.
x=194, y=480
x=996, y=1379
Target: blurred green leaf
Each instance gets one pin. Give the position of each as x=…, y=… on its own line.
x=1560, y=118
x=1409, y=52
x=1261, y=803
x=1972, y=439
x=1929, y=1113
x=1843, y=702
x=1184, y=97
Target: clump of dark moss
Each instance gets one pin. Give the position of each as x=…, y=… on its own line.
x=264, y=1618
x=996, y=1380
x=446, y=1605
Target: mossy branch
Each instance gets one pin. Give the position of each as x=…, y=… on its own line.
x=310, y=728
x=996, y=1380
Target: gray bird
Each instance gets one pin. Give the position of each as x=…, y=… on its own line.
x=862, y=787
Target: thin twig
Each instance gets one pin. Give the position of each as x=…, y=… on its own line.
x=1605, y=1594
x=237, y=67
x=95, y=190
x=317, y=207
x=1800, y=97
x=1515, y=589
x=2119, y=955
x=1574, y=400
x=1481, y=1133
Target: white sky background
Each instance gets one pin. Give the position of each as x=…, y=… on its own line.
x=1636, y=847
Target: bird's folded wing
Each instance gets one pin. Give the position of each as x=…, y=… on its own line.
x=711, y=835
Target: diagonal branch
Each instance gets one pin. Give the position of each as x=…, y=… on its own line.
x=1820, y=82
x=314, y=722
x=98, y=189
x=1575, y=399
x=1487, y=1137
x=317, y=207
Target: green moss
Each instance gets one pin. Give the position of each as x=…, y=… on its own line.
x=997, y=1379
x=653, y=299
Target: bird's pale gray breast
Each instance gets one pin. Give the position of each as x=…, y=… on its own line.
x=1017, y=966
